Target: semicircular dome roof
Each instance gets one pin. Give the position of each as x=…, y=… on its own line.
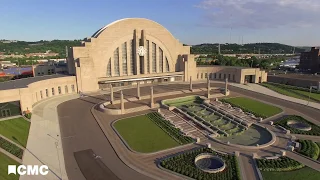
x=97, y=33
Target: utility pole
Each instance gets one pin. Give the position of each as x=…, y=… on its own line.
x=309, y=95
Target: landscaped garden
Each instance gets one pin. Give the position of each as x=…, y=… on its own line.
x=16, y=129
x=309, y=148
x=150, y=133
x=185, y=164
x=11, y=148
x=315, y=130
x=293, y=91
x=232, y=130
x=285, y=168
x=257, y=108
x=4, y=162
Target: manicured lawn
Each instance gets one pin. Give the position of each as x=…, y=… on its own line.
x=16, y=130
x=142, y=135
x=290, y=91
x=284, y=91
x=253, y=106
x=4, y=162
x=305, y=173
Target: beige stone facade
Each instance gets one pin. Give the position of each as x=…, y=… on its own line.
x=136, y=49
x=38, y=91
x=123, y=53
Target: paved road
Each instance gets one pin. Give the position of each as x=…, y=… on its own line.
x=248, y=170
x=312, y=164
x=80, y=132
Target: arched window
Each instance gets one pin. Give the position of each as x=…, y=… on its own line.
x=116, y=62
x=160, y=60
x=109, y=68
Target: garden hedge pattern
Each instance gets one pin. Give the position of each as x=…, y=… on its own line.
x=291, y=87
x=166, y=126
x=11, y=148
x=280, y=164
x=309, y=148
x=184, y=164
x=315, y=131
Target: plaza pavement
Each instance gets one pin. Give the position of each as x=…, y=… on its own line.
x=44, y=142
x=81, y=132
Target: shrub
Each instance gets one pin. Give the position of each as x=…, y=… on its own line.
x=280, y=164
x=309, y=148
x=11, y=148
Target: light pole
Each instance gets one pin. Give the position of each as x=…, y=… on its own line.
x=309, y=95
x=56, y=143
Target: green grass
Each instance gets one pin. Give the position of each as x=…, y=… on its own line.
x=142, y=135
x=304, y=95
x=253, y=106
x=300, y=174
x=16, y=129
x=4, y=162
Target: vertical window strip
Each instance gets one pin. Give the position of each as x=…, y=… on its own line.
x=154, y=63
x=131, y=58
x=124, y=58
x=116, y=62
x=167, y=65
x=147, y=57
x=160, y=60
x=109, y=68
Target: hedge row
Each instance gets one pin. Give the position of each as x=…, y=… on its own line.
x=309, y=148
x=280, y=164
x=244, y=109
x=184, y=164
x=168, y=128
x=292, y=87
x=11, y=148
x=315, y=130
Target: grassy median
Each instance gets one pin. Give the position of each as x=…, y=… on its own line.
x=255, y=107
x=143, y=135
x=4, y=162
x=16, y=129
x=303, y=173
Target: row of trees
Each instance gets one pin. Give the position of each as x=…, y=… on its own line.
x=280, y=164
x=23, y=47
x=309, y=148
x=184, y=164
x=263, y=48
x=253, y=62
x=315, y=130
x=168, y=128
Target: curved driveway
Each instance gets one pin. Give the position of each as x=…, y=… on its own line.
x=82, y=136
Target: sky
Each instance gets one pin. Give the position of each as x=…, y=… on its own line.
x=292, y=22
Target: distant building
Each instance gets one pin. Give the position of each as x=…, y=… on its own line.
x=50, y=67
x=46, y=54
x=6, y=64
x=310, y=61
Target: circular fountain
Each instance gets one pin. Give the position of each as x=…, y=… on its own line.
x=210, y=163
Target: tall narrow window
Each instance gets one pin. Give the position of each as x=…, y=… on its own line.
x=59, y=90
x=116, y=62
x=109, y=68
x=167, y=65
x=154, y=63
x=160, y=60
x=131, y=58
x=147, y=57
x=41, y=96
x=66, y=88
x=124, y=59
x=72, y=88
x=52, y=91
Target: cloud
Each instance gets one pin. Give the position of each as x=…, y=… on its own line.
x=260, y=13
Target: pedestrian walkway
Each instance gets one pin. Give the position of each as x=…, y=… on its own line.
x=266, y=91
x=44, y=142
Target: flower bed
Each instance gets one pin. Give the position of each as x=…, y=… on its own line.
x=315, y=130
x=280, y=164
x=184, y=164
x=168, y=128
x=11, y=148
x=309, y=148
